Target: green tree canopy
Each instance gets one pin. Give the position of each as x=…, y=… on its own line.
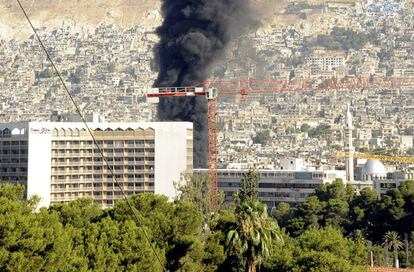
x=262, y=137
x=327, y=250
x=304, y=127
x=318, y=250
x=248, y=187
x=345, y=39
x=321, y=130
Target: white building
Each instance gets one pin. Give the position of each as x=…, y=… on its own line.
x=279, y=185
x=292, y=164
x=326, y=63
x=293, y=185
x=392, y=181
x=407, y=141
x=375, y=175
x=373, y=169
x=59, y=161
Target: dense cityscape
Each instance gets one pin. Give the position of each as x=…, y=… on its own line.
x=308, y=179
x=98, y=64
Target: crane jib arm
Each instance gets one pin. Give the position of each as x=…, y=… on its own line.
x=155, y=93
x=177, y=91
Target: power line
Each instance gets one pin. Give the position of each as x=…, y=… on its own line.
x=93, y=137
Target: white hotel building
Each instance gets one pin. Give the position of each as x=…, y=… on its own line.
x=59, y=162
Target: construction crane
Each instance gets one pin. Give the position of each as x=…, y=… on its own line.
x=210, y=94
x=211, y=89
x=369, y=156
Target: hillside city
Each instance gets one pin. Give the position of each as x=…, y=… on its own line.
x=109, y=70
x=313, y=172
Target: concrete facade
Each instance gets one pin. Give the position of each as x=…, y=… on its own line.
x=391, y=181
x=59, y=161
x=276, y=186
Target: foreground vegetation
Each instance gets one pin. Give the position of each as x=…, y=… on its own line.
x=380, y=225
x=187, y=236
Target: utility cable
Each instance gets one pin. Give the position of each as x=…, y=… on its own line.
x=78, y=111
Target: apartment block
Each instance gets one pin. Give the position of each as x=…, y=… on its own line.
x=326, y=63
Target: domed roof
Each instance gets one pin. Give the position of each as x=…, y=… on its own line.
x=374, y=167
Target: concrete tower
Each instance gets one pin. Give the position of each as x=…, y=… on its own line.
x=349, y=148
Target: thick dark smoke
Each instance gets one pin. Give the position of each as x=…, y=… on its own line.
x=194, y=35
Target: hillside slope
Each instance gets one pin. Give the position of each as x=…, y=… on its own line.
x=124, y=13
x=83, y=13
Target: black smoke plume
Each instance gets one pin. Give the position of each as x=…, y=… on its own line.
x=193, y=36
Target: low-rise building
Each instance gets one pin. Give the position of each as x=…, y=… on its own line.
x=279, y=185
x=295, y=184
x=392, y=181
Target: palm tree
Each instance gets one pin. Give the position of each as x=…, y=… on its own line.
x=359, y=236
x=392, y=242
x=252, y=239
